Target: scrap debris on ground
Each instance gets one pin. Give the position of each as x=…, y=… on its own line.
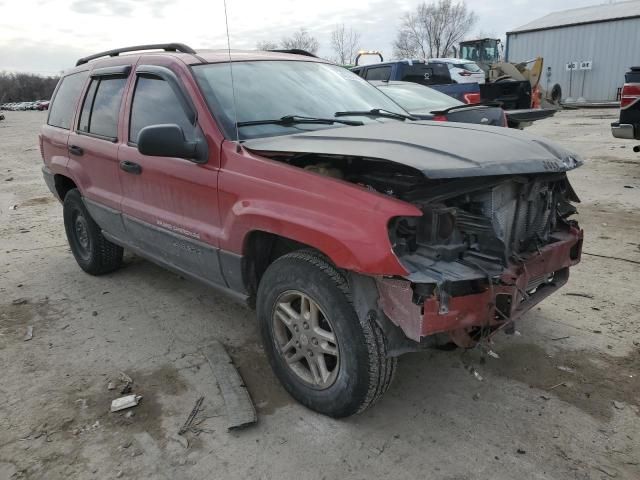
x=240, y=410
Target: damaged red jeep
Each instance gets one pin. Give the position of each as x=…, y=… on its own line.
x=357, y=232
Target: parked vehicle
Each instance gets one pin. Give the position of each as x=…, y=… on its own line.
x=629, y=124
x=306, y=192
x=426, y=103
x=22, y=106
x=432, y=74
x=517, y=85
x=420, y=99
x=463, y=71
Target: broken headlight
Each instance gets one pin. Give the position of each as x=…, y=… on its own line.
x=435, y=227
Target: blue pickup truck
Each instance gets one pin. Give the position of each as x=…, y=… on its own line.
x=432, y=74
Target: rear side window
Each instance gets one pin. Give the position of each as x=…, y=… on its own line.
x=378, y=73
x=155, y=103
x=64, y=102
x=427, y=74
x=101, y=107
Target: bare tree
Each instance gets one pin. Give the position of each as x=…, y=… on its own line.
x=302, y=40
x=345, y=44
x=411, y=41
x=433, y=29
x=266, y=45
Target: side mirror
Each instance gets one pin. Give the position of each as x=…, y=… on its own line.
x=167, y=140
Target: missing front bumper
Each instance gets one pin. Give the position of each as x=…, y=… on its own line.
x=506, y=298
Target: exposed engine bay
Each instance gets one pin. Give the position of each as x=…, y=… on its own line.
x=481, y=223
x=485, y=223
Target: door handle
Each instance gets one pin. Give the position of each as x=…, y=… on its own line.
x=130, y=167
x=75, y=150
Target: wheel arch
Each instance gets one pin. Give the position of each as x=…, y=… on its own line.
x=260, y=249
x=63, y=185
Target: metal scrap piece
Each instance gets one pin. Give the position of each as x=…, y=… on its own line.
x=125, y=402
x=29, y=335
x=240, y=409
x=187, y=424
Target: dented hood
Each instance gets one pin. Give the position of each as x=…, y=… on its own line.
x=437, y=149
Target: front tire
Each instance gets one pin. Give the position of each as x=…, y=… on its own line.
x=94, y=253
x=323, y=354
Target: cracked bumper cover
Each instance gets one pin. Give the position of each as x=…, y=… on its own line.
x=459, y=313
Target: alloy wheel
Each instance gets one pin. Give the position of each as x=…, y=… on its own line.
x=306, y=339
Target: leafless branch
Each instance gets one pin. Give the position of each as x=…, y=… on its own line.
x=345, y=44
x=266, y=45
x=302, y=40
x=433, y=29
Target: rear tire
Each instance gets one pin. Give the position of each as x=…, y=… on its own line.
x=94, y=253
x=354, y=369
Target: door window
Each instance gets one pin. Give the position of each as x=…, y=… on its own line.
x=155, y=103
x=64, y=103
x=101, y=107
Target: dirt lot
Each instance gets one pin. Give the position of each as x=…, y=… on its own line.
x=561, y=402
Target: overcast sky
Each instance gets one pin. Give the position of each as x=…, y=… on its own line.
x=47, y=36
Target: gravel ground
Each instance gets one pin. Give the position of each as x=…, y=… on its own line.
x=561, y=402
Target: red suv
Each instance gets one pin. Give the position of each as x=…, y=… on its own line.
x=356, y=232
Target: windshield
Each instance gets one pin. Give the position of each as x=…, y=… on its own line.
x=486, y=51
x=267, y=90
x=414, y=98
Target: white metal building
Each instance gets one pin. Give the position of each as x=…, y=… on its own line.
x=586, y=51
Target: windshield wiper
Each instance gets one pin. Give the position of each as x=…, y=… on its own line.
x=296, y=119
x=376, y=112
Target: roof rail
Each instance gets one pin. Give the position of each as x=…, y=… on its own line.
x=167, y=47
x=295, y=51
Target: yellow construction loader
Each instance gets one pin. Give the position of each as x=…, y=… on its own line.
x=506, y=79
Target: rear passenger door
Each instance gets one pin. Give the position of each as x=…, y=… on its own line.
x=55, y=134
x=93, y=146
x=169, y=205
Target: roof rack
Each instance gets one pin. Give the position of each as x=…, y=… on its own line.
x=295, y=51
x=167, y=47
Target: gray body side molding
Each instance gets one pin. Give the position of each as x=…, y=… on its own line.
x=185, y=256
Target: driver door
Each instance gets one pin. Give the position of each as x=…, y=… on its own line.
x=169, y=205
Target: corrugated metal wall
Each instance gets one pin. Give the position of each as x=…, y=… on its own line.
x=612, y=46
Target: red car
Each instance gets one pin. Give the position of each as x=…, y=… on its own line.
x=301, y=189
